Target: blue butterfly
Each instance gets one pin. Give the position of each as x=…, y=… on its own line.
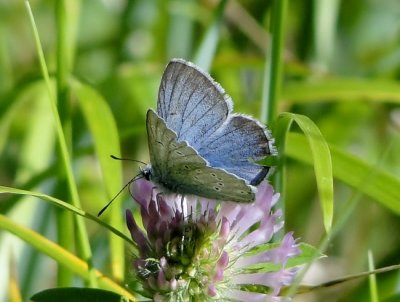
x=197, y=146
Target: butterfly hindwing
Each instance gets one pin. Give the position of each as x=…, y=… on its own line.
x=213, y=183
x=179, y=168
x=237, y=141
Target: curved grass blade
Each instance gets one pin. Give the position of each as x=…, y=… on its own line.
x=104, y=130
x=62, y=256
x=320, y=156
x=342, y=89
x=12, y=103
x=376, y=183
x=66, y=206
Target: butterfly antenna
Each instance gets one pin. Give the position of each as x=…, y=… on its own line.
x=139, y=176
x=129, y=159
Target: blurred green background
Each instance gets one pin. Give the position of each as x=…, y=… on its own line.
x=341, y=68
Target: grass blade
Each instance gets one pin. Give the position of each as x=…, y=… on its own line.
x=106, y=141
x=60, y=255
x=65, y=206
x=320, y=158
x=206, y=51
x=342, y=89
x=369, y=179
x=82, y=236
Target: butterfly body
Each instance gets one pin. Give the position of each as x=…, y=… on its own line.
x=197, y=146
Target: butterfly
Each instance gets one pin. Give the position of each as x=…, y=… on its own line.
x=197, y=146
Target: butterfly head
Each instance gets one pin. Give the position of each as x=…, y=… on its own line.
x=146, y=172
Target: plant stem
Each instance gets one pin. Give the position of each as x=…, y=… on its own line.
x=273, y=67
x=273, y=82
x=65, y=227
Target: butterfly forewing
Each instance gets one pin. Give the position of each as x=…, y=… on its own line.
x=179, y=168
x=191, y=103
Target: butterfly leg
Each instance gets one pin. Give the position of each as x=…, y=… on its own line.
x=154, y=192
x=158, y=196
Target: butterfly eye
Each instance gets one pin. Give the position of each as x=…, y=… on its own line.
x=217, y=188
x=179, y=152
x=213, y=175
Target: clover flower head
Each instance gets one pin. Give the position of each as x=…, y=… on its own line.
x=196, y=249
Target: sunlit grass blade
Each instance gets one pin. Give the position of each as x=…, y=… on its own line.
x=37, y=145
x=62, y=256
x=104, y=130
x=342, y=89
x=373, y=288
x=14, y=291
x=365, y=177
x=325, y=15
x=320, y=158
x=206, y=51
x=25, y=95
x=6, y=117
x=181, y=28
x=65, y=206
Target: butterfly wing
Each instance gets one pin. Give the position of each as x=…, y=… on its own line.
x=191, y=103
x=179, y=168
x=198, y=110
x=236, y=144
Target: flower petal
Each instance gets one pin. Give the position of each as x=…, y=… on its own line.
x=142, y=191
x=278, y=255
x=137, y=235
